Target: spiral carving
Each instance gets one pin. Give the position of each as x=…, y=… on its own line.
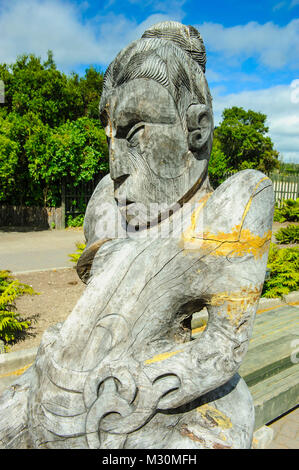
x=120, y=402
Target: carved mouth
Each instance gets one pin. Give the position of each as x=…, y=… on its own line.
x=128, y=202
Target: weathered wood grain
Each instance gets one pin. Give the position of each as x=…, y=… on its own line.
x=123, y=370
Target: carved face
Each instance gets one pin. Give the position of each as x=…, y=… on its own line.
x=150, y=160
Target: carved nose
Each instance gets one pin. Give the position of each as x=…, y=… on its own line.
x=118, y=160
x=118, y=181
x=120, y=193
x=118, y=171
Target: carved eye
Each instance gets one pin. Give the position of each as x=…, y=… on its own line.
x=132, y=136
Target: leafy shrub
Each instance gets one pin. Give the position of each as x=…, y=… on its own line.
x=278, y=217
x=283, y=264
x=289, y=234
x=288, y=211
x=75, y=256
x=10, y=322
x=75, y=221
x=49, y=131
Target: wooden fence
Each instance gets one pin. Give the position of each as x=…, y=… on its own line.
x=75, y=198
x=285, y=186
x=34, y=217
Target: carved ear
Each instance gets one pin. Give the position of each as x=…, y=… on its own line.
x=200, y=125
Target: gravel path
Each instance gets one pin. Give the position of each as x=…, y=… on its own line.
x=59, y=291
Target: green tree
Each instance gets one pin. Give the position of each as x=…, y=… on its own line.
x=18, y=188
x=91, y=86
x=9, y=151
x=218, y=164
x=38, y=88
x=289, y=168
x=74, y=150
x=49, y=130
x=241, y=142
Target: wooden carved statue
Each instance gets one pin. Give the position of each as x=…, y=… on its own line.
x=124, y=371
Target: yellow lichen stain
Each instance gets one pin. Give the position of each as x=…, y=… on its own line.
x=214, y=416
x=111, y=137
x=243, y=297
x=236, y=302
x=255, y=443
x=199, y=330
x=17, y=372
x=161, y=357
x=237, y=242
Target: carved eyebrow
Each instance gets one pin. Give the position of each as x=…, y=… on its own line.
x=123, y=130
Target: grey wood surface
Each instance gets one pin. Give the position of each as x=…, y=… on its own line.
x=123, y=370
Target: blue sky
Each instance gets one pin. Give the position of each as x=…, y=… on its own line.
x=252, y=47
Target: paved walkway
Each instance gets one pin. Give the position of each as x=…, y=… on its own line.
x=286, y=431
x=39, y=250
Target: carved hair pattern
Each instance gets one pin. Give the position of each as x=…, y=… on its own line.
x=171, y=54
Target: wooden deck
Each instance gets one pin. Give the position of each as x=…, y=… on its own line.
x=271, y=366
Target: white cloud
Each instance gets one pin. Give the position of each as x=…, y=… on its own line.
x=294, y=3
x=38, y=25
x=35, y=26
x=275, y=46
x=282, y=114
